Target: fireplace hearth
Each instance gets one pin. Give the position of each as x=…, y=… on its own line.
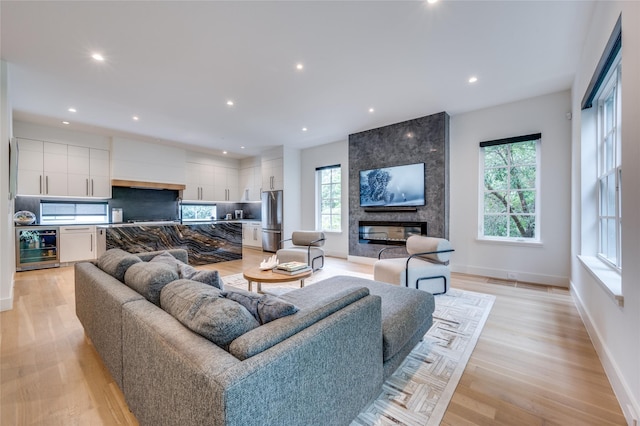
x=386, y=232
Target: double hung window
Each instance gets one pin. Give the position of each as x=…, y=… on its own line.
x=609, y=168
x=509, y=194
x=329, y=181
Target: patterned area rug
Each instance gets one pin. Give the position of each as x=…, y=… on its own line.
x=419, y=392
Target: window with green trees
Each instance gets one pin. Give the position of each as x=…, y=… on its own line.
x=329, y=198
x=509, y=196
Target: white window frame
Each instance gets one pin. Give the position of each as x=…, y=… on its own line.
x=609, y=171
x=319, y=200
x=536, y=239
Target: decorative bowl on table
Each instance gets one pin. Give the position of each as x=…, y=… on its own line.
x=24, y=217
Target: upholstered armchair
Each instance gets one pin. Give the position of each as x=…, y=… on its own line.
x=306, y=246
x=426, y=268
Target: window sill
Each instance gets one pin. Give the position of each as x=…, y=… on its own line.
x=523, y=243
x=609, y=280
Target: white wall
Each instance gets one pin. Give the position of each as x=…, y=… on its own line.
x=7, y=260
x=22, y=129
x=337, y=243
x=614, y=330
x=547, y=263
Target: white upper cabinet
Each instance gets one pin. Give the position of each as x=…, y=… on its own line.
x=226, y=184
x=250, y=183
x=272, y=174
x=88, y=172
x=42, y=168
x=199, y=182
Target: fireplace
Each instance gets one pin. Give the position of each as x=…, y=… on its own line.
x=381, y=232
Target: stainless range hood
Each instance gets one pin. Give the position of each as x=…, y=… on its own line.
x=147, y=185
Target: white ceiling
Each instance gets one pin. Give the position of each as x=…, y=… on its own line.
x=175, y=64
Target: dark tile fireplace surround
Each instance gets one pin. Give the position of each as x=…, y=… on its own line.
x=424, y=139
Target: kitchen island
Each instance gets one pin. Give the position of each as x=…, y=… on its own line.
x=205, y=242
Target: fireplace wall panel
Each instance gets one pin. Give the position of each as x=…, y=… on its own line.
x=424, y=139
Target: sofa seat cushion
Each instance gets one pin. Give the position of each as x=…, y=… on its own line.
x=404, y=310
x=115, y=262
x=264, y=307
x=148, y=279
x=201, y=308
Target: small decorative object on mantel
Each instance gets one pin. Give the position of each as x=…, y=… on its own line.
x=269, y=263
x=24, y=217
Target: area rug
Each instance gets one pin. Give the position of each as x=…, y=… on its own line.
x=419, y=391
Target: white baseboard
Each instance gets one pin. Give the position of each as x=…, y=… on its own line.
x=514, y=275
x=630, y=407
x=7, y=303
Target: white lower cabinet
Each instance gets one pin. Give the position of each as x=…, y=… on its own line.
x=252, y=235
x=77, y=243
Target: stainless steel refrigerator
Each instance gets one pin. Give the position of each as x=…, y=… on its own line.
x=271, y=220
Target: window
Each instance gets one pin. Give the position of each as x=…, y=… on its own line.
x=509, y=194
x=197, y=212
x=329, y=198
x=62, y=212
x=609, y=168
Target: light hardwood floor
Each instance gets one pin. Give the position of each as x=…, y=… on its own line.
x=533, y=365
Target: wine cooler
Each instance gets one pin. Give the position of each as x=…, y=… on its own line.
x=36, y=247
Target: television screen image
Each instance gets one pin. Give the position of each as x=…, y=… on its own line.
x=393, y=186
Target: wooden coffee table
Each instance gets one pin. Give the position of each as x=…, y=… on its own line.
x=258, y=276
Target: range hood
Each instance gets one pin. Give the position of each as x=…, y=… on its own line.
x=147, y=185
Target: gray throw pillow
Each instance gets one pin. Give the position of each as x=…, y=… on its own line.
x=206, y=276
x=264, y=307
x=166, y=258
x=148, y=279
x=115, y=262
x=200, y=308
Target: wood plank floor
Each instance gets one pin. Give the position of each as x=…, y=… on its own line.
x=533, y=365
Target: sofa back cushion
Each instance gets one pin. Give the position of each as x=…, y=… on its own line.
x=268, y=335
x=115, y=262
x=264, y=307
x=148, y=279
x=201, y=308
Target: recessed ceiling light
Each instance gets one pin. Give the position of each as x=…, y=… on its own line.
x=473, y=79
x=242, y=147
x=299, y=66
x=224, y=152
x=432, y=1
x=135, y=118
x=371, y=110
x=304, y=129
x=98, y=57
x=71, y=109
x=65, y=122
x=230, y=103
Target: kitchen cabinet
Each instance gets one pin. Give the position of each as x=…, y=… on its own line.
x=272, y=174
x=199, y=182
x=226, y=184
x=42, y=168
x=77, y=243
x=57, y=169
x=250, y=183
x=252, y=235
x=88, y=172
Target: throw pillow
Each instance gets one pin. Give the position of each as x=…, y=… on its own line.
x=148, y=279
x=206, y=276
x=200, y=308
x=166, y=258
x=264, y=307
x=115, y=262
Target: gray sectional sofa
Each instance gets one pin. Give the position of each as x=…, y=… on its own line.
x=321, y=365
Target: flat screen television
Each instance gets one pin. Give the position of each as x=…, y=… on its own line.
x=401, y=186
